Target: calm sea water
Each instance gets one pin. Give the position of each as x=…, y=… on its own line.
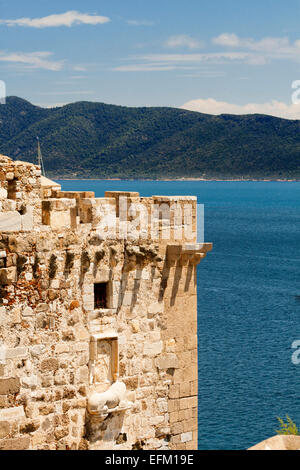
x=248, y=307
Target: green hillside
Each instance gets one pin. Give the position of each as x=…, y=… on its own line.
x=98, y=140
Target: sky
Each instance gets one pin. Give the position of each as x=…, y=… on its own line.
x=212, y=56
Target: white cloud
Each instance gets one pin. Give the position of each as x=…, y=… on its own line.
x=161, y=62
x=227, y=39
x=214, y=57
x=70, y=80
x=143, y=68
x=78, y=77
x=66, y=93
x=79, y=68
x=151, y=67
x=64, y=19
x=242, y=51
x=140, y=22
x=273, y=108
x=51, y=105
x=270, y=44
x=268, y=47
x=204, y=74
x=32, y=60
x=182, y=40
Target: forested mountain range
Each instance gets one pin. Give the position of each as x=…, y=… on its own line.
x=97, y=140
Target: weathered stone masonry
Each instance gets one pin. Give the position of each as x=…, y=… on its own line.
x=98, y=334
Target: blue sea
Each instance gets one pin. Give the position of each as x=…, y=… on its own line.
x=248, y=304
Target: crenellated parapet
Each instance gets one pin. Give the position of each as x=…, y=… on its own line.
x=31, y=202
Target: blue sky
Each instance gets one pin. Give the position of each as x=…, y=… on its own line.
x=212, y=56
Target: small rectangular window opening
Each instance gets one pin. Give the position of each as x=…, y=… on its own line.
x=12, y=189
x=100, y=295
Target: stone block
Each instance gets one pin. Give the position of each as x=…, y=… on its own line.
x=162, y=404
x=173, y=405
x=174, y=391
x=60, y=378
x=177, y=428
x=27, y=312
x=173, y=417
x=167, y=361
x=12, y=414
x=155, y=420
x=16, y=353
x=61, y=348
x=10, y=221
x=3, y=316
x=3, y=193
x=4, y=429
x=185, y=389
x=37, y=350
x=19, y=443
x=153, y=349
x=60, y=220
x=49, y=364
x=27, y=219
x=9, y=386
x=30, y=382
x=8, y=276
x=186, y=436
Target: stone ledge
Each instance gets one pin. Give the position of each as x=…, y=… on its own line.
x=190, y=252
x=280, y=442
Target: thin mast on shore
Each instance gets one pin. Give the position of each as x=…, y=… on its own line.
x=40, y=157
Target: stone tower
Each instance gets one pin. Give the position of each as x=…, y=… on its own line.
x=98, y=317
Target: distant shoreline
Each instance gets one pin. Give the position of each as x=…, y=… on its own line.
x=262, y=180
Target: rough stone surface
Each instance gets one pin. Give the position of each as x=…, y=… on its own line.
x=280, y=442
x=82, y=307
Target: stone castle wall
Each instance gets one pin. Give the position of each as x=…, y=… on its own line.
x=98, y=317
